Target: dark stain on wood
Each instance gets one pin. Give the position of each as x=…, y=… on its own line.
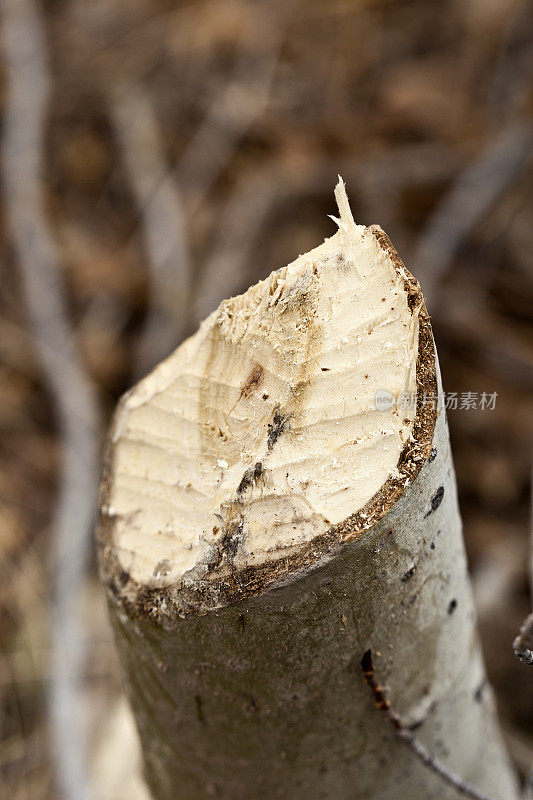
x=230, y=543
x=123, y=577
x=227, y=547
x=253, y=381
x=276, y=428
x=250, y=476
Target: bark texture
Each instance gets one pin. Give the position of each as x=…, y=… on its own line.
x=264, y=698
x=248, y=685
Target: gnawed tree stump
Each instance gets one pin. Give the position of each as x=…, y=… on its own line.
x=267, y=515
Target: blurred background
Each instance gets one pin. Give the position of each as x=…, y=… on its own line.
x=157, y=156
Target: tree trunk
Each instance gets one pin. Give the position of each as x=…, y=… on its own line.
x=244, y=673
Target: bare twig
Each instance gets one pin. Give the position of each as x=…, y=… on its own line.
x=158, y=191
x=74, y=398
x=407, y=737
x=469, y=199
x=235, y=107
x=237, y=228
x=163, y=225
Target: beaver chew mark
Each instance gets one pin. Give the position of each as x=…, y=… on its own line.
x=200, y=477
x=276, y=428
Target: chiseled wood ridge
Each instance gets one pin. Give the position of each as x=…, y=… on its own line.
x=241, y=646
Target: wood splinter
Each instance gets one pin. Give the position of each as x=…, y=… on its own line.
x=272, y=503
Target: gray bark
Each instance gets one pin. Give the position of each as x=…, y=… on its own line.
x=246, y=683
x=264, y=697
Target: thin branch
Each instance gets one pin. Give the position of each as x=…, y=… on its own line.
x=159, y=199
x=158, y=193
x=28, y=89
x=232, y=241
x=235, y=107
x=406, y=736
x=470, y=198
